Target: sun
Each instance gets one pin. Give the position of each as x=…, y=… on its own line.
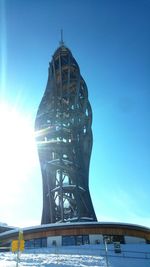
x=17, y=146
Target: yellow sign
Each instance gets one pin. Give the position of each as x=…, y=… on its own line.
x=21, y=247
x=14, y=245
x=17, y=245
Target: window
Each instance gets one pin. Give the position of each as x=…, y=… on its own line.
x=68, y=240
x=79, y=240
x=85, y=239
x=36, y=243
x=75, y=240
x=44, y=242
x=114, y=238
x=29, y=243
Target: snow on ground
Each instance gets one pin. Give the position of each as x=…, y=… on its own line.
x=94, y=256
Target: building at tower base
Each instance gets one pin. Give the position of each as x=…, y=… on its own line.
x=79, y=233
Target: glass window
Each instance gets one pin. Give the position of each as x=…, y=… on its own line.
x=114, y=238
x=29, y=243
x=75, y=240
x=44, y=242
x=85, y=239
x=37, y=243
x=119, y=238
x=79, y=240
x=68, y=240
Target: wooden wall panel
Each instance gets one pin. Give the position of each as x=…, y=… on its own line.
x=80, y=230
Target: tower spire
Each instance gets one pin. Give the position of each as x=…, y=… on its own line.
x=61, y=36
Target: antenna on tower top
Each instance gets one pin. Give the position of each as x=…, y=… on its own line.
x=61, y=35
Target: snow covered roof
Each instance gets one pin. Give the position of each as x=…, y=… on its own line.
x=99, y=227
x=76, y=224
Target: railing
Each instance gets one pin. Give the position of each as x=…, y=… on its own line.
x=86, y=250
x=100, y=251
x=5, y=249
x=127, y=254
x=93, y=251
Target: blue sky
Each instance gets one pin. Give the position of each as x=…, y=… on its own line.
x=110, y=41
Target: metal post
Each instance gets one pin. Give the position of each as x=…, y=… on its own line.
x=20, y=237
x=106, y=251
x=17, y=260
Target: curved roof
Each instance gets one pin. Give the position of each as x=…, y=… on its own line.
x=58, y=229
x=4, y=227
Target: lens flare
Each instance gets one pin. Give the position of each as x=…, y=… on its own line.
x=17, y=146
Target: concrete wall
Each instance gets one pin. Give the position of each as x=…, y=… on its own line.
x=95, y=239
x=54, y=241
x=132, y=239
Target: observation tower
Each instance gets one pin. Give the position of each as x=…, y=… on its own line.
x=64, y=142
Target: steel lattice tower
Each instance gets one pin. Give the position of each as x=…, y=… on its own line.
x=64, y=140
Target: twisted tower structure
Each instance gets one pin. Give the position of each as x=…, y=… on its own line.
x=64, y=141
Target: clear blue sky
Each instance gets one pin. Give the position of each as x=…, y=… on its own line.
x=110, y=40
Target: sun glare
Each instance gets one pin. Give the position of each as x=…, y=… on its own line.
x=17, y=146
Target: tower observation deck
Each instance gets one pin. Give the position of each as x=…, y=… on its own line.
x=64, y=142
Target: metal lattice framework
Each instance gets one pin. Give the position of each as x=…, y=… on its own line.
x=64, y=140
